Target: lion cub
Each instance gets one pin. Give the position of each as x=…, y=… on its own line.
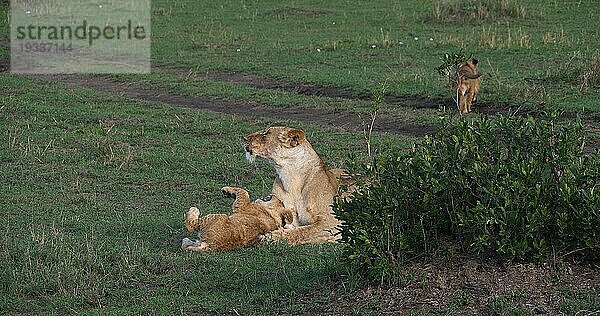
x=467, y=85
x=243, y=228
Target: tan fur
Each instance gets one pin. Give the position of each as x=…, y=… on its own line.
x=467, y=85
x=303, y=183
x=243, y=228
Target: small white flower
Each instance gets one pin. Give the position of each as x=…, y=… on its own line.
x=28, y=12
x=401, y=43
x=416, y=38
x=373, y=46
x=333, y=23
x=237, y=50
x=99, y=6
x=431, y=38
x=318, y=50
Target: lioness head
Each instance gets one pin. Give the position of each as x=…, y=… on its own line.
x=274, y=143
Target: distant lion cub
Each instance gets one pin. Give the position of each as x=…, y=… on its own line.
x=467, y=85
x=243, y=228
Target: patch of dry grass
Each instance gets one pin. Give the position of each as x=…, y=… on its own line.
x=476, y=11
x=590, y=76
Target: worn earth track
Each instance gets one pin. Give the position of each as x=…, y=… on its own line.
x=413, y=102
x=325, y=117
x=255, y=81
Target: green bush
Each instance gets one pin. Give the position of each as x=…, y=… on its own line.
x=520, y=187
x=450, y=64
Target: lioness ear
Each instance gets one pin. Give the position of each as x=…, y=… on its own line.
x=293, y=137
x=474, y=61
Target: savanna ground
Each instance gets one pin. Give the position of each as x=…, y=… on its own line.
x=97, y=171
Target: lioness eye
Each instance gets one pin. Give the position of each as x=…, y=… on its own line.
x=268, y=198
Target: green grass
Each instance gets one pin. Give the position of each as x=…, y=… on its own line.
x=188, y=86
x=519, y=53
x=94, y=190
x=94, y=187
x=529, y=51
x=534, y=52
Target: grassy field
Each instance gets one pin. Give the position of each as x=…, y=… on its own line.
x=529, y=50
x=93, y=194
x=94, y=186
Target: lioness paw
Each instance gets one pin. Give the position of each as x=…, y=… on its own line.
x=271, y=237
x=278, y=234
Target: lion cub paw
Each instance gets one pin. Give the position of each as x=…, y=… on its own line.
x=191, y=217
x=187, y=243
x=278, y=234
x=228, y=192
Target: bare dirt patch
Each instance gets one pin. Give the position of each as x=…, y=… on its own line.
x=331, y=118
x=325, y=117
x=459, y=284
x=415, y=102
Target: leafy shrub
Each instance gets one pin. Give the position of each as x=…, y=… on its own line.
x=516, y=186
x=450, y=63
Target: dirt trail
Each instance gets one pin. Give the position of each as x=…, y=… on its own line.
x=324, y=117
x=309, y=89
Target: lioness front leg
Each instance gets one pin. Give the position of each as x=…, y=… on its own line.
x=310, y=234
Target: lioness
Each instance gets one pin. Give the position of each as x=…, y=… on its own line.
x=243, y=228
x=467, y=85
x=303, y=183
